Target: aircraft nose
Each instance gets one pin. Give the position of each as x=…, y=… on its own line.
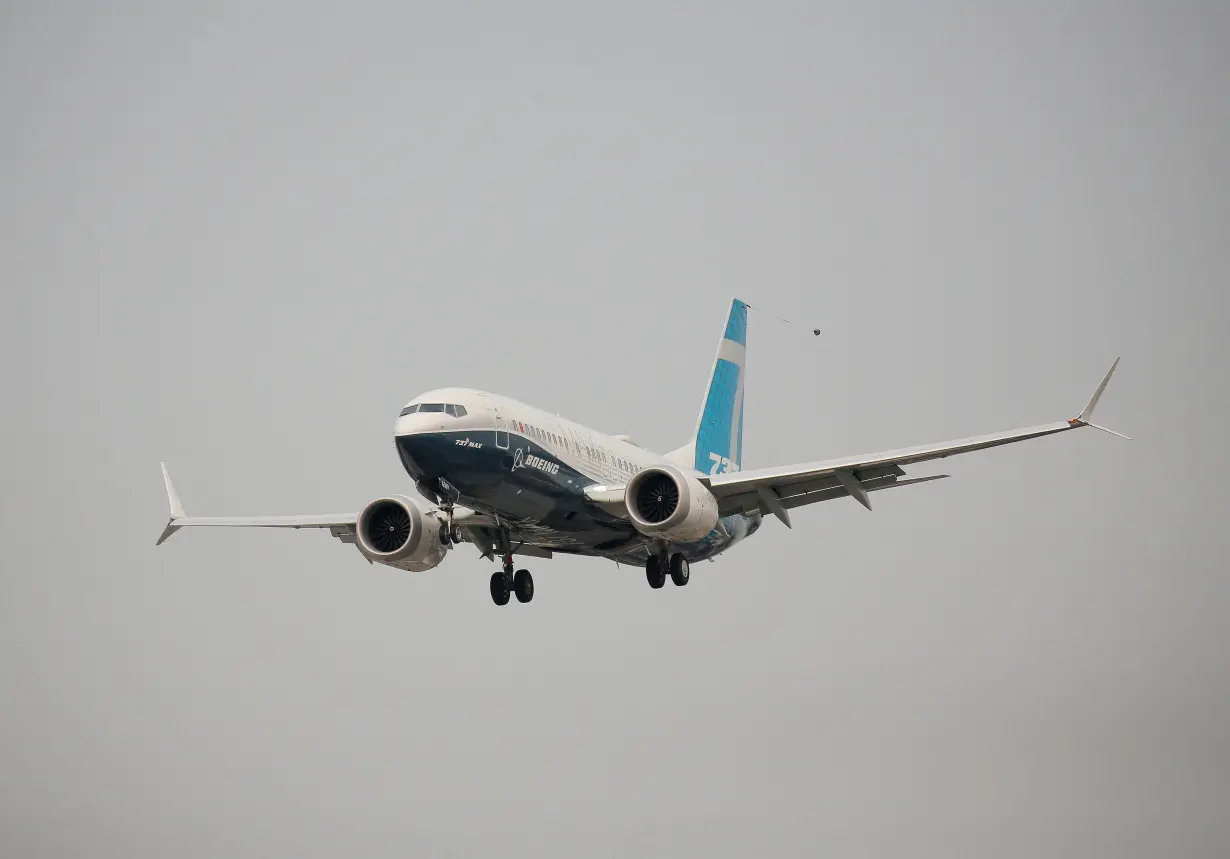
x=429, y=417
x=420, y=423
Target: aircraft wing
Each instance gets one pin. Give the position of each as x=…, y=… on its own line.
x=473, y=525
x=340, y=525
x=333, y=521
x=777, y=490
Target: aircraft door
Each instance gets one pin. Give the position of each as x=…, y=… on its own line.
x=501, y=424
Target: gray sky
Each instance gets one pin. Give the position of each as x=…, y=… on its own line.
x=239, y=238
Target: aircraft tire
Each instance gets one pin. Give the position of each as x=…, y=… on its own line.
x=499, y=589
x=655, y=573
x=523, y=585
x=681, y=572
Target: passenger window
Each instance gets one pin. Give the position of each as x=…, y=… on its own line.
x=409, y=410
x=431, y=407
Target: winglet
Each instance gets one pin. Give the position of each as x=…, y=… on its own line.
x=1087, y=412
x=1086, y=415
x=177, y=509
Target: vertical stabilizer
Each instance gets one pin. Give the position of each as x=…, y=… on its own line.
x=717, y=445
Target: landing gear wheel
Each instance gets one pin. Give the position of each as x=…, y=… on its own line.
x=680, y=570
x=499, y=589
x=523, y=584
x=655, y=571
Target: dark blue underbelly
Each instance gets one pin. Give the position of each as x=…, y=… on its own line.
x=538, y=495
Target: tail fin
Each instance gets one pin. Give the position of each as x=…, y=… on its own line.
x=717, y=445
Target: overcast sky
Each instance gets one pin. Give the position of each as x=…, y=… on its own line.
x=239, y=238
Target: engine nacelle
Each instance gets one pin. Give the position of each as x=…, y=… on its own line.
x=664, y=502
x=394, y=531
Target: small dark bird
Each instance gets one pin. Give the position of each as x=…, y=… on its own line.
x=816, y=331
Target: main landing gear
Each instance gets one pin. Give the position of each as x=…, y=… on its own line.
x=506, y=583
x=660, y=564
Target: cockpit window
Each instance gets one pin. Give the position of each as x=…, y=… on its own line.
x=448, y=408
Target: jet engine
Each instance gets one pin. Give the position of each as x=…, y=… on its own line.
x=664, y=502
x=394, y=531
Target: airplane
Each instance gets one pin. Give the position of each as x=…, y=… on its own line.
x=512, y=479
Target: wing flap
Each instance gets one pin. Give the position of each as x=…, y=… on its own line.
x=840, y=492
x=821, y=489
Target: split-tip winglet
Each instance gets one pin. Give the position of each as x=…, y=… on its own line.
x=1084, y=418
x=177, y=509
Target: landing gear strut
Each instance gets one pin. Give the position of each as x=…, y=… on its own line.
x=450, y=534
x=506, y=582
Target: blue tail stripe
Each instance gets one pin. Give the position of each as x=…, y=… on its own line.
x=736, y=324
x=721, y=422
